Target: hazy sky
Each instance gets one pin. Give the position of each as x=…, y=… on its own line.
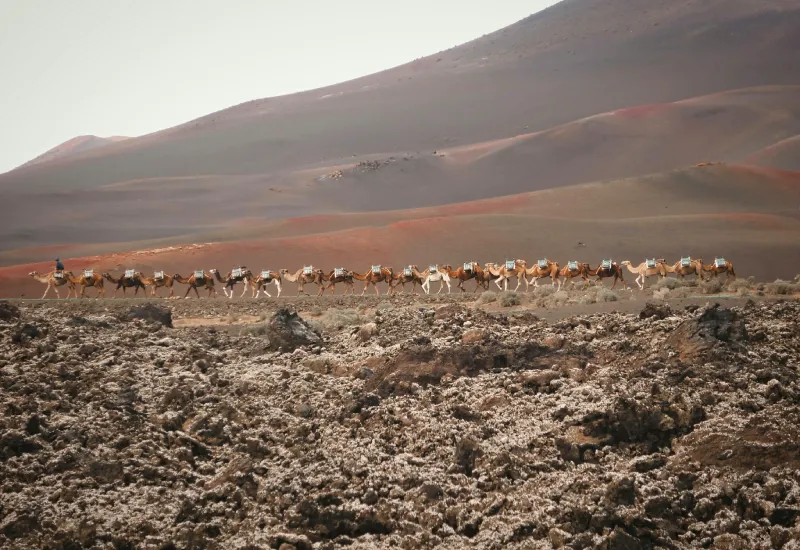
x=124, y=67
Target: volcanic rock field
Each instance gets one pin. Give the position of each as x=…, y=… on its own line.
x=399, y=424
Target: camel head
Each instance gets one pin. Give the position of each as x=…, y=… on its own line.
x=212, y=271
x=625, y=262
x=33, y=274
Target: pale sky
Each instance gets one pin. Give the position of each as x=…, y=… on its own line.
x=124, y=67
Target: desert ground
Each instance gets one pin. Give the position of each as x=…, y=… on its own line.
x=580, y=419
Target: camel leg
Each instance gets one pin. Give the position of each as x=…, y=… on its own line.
x=448, y=286
x=441, y=286
x=46, y=290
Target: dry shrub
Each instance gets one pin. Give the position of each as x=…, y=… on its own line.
x=385, y=305
x=544, y=290
x=667, y=283
x=556, y=299
x=334, y=319
x=661, y=294
x=714, y=286
x=739, y=284
x=487, y=297
x=780, y=287
x=257, y=329
x=316, y=310
x=510, y=298
x=606, y=295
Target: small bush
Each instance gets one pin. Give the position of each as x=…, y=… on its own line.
x=544, y=290
x=385, y=305
x=510, y=298
x=557, y=299
x=714, y=286
x=257, y=329
x=780, y=287
x=661, y=294
x=740, y=285
x=316, y=310
x=606, y=295
x=487, y=297
x=679, y=293
x=667, y=283
x=334, y=319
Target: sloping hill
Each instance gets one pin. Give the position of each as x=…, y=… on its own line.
x=784, y=154
x=513, y=111
x=74, y=146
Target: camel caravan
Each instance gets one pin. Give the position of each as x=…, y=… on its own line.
x=498, y=273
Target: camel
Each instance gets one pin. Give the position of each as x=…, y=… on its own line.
x=434, y=274
x=339, y=275
x=511, y=268
x=646, y=269
x=571, y=271
x=158, y=280
x=54, y=281
x=88, y=278
x=542, y=269
x=686, y=266
x=197, y=279
x=237, y=275
x=264, y=278
x=406, y=276
x=304, y=276
x=375, y=275
x=486, y=276
x=720, y=265
x=131, y=279
x=607, y=268
x=470, y=270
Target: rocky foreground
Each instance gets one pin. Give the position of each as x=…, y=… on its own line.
x=408, y=427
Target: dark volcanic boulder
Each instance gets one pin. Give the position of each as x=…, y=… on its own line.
x=152, y=313
x=288, y=331
x=8, y=312
x=694, y=337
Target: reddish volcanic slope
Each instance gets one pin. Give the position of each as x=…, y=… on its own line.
x=747, y=214
x=588, y=90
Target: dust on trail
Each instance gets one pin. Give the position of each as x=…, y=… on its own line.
x=399, y=423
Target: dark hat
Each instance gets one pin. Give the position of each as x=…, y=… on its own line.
x=57, y=260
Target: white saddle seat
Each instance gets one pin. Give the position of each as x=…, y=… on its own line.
x=686, y=262
x=605, y=264
x=511, y=265
x=158, y=275
x=376, y=269
x=650, y=263
x=308, y=270
x=408, y=272
x=338, y=272
x=572, y=266
x=88, y=273
x=468, y=266
x=720, y=262
x=129, y=273
x=199, y=274
x=542, y=264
